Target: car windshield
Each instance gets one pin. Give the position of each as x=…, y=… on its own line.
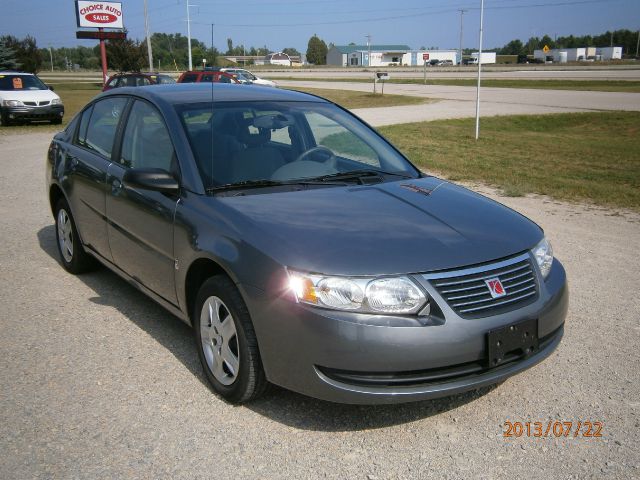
x=163, y=79
x=244, y=142
x=21, y=82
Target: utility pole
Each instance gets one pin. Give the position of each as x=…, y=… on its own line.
x=369, y=49
x=212, y=38
x=51, y=56
x=189, y=34
x=462, y=12
x=146, y=29
x=479, y=70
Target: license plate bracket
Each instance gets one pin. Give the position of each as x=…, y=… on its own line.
x=511, y=342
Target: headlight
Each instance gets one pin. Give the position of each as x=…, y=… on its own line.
x=12, y=103
x=397, y=295
x=56, y=101
x=543, y=254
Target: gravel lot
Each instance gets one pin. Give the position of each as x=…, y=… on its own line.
x=97, y=381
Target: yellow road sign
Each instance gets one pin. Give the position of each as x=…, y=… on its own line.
x=545, y=49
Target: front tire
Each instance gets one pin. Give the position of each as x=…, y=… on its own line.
x=72, y=255
x=4, y=119
x=226, y=342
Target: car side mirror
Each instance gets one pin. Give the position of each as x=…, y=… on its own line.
x=155, y=179
x=50, y=87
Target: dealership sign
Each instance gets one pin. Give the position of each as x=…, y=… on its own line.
x=99, y=14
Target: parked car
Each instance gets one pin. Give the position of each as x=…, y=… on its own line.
x=215, y=76
x=25, y=98
x=302, y=247
x=249, y=76
x=137, y=80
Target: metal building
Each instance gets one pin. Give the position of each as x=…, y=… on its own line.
x=358, y=55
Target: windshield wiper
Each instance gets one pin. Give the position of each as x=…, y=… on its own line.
x=359, y=174
x=246, y=184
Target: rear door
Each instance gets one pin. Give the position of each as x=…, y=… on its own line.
x=87, y=161
x=140, y=222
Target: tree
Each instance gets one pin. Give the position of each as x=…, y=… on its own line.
x=26, y=51
x=7, y=57
x=514, y=47
x=292, y=52
x=229, y=46
x=317, y=51
x=126, y=55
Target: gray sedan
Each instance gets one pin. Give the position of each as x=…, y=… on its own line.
x=302, y=247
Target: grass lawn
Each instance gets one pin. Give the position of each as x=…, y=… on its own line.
x=75, y=96
x=351, y=99
x=591, y=157
x=632, y=86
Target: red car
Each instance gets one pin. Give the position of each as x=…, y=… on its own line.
x=136, y=80
x=195, y=76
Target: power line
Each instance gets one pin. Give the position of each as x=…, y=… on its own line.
x=399, y=17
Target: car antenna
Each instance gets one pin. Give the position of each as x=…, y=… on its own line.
x=210, y=160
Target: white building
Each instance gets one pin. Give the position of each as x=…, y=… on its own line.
x=487, y=57
x=418, y=57
x=278, y=58
x=579, y=54
x=358, y=55
x=609, y=53
x=385, y=55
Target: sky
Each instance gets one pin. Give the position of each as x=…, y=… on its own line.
x=289, y=23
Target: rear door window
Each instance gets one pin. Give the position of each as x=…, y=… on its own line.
x=102, y=125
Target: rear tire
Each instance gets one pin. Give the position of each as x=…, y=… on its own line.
x=226, y=342
x=72, y=254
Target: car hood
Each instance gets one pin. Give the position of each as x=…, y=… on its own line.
x=407, y=226
x=28, y=95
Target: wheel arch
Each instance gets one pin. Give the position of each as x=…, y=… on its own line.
x=55, y=194
x=199, y=271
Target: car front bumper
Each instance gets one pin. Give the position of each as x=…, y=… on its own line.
x=370, y=359
x=31, y=113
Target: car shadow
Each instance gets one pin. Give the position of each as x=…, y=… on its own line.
x=278, y=404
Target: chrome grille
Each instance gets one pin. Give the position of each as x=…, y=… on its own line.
x=468, y=294
x=30, y=104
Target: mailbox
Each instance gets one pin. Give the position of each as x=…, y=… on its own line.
x=382, y=75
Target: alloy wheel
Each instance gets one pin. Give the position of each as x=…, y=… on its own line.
x=219, y=340
x=65, y=235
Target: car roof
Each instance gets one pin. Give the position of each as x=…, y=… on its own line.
x=12, y=72
x=181, y=93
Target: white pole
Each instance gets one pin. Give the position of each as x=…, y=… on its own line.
x=51, y=56
x=146, y=29
x=479, y=72
x=189, y=36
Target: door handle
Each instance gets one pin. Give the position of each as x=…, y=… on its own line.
x=116, y=186
x=73, y=161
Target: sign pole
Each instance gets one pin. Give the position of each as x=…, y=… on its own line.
x=103, y=55
x=479, y=70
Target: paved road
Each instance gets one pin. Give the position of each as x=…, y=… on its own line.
x=459, y=102
x=98, y=382
x=548, y=72
x=494, y=72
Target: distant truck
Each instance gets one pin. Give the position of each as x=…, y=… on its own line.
x=487, y=57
